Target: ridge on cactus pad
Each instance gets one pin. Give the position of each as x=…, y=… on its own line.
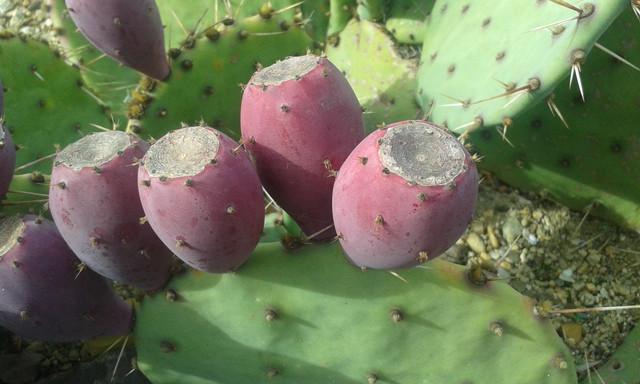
x=310, y=317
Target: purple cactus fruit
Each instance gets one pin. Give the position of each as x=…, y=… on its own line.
x=300, y=119
x=202, y=195
x=405, y=195
x=94, y=200
x=7, y=159
x=1, y=101
x=130, y=32
x=43, y=294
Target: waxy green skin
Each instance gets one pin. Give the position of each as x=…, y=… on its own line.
x=43, y=294
x=332, y=322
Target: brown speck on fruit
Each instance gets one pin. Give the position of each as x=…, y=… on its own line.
x=188, y=182
x=422, y=196
x=231, y=209
x=146, y=183
x=284, y=108
x=379, y=220
x=423, y=257
x=180, y=243
x=363, y=159
x=94, y=241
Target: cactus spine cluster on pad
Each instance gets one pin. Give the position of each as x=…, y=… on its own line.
x=300, y=119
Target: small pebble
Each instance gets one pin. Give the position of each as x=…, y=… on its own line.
x=511, y=229
x=475, y=243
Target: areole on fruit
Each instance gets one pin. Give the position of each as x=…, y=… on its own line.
x=421, y=154
x=292, y=68
x=94, y=150
x=182, y=153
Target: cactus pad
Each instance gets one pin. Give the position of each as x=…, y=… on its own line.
x=487, y=61
x=310, y=317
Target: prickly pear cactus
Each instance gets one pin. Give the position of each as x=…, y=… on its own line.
x=310, y=317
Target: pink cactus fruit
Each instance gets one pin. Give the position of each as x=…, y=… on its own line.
x=202, y=195
x=128, y=31
x=404, y=196
x=94, y=200
x=7, y=151
x=300, y=119
x=43, y=293
x=7, y=160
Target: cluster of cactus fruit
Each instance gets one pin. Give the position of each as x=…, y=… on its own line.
x=386, y=196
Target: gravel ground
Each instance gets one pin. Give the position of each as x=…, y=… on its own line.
x=564, y=258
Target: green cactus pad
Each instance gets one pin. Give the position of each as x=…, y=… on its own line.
x=176, y=16
x=310, y=317
x=205, y=80
x=46, y=101
x=30, y=195
x=407, y=20
x=485, y=62
x=596, y=160
x=381, y=77
x=622, y=367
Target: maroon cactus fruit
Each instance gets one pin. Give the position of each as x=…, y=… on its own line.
x=44, y=295
x=129, y=32
x=7, y=159
x=300, y=119
x=404, y=196
x=94, y=200
x=202, y=195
